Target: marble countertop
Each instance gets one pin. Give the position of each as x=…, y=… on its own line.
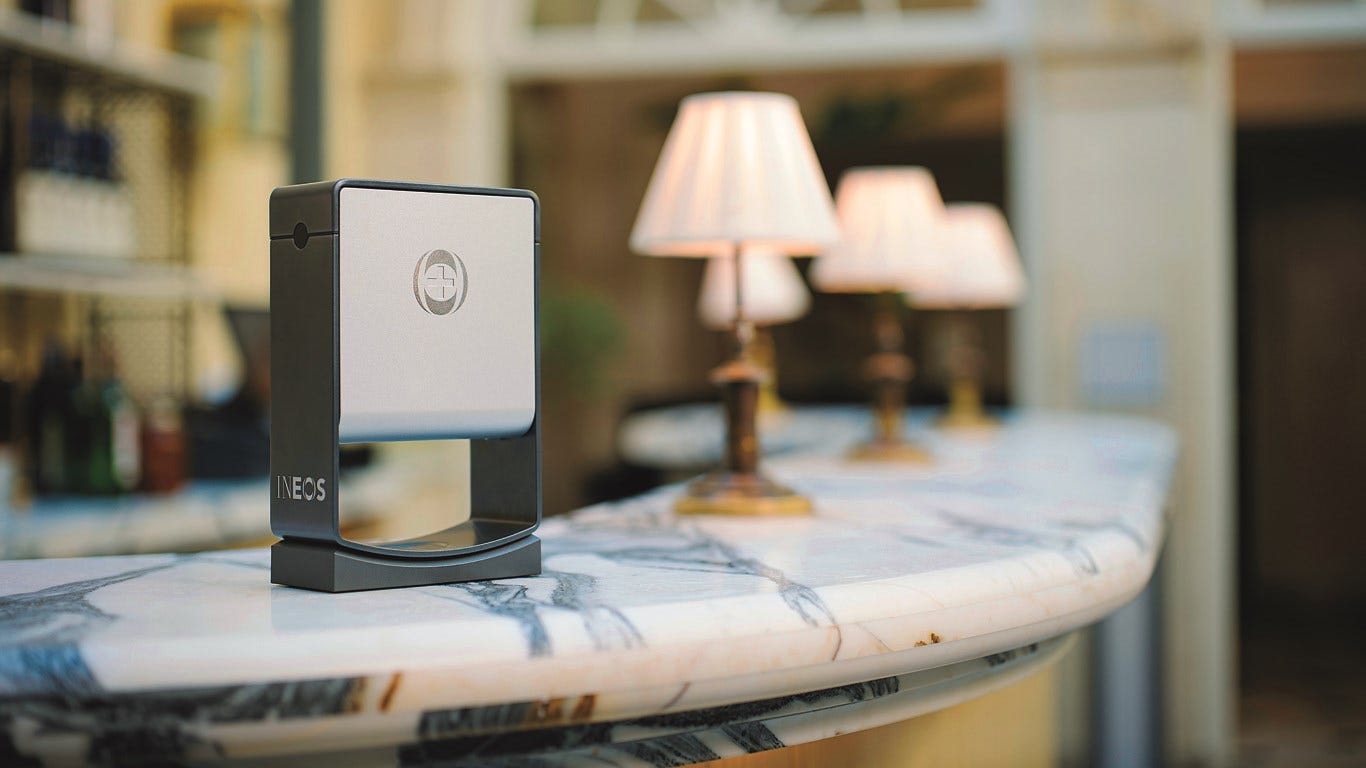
x=206, y=514
x=692, y=436
x=648, y=639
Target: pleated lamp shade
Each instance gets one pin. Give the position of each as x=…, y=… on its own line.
x=979, y=267
x=737, y=167
x=890, y=219
x=772, y=290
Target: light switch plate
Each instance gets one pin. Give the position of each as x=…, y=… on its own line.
x=1123, y=364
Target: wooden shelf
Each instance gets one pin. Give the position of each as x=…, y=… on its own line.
x=145, y=67
x=75, y=275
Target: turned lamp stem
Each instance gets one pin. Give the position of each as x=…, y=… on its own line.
x=744, y=329
x=889, y=369
x=965, y=363
x=739, y=381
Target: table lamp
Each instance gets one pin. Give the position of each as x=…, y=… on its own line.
x=774, y=293
x=890, y=218
x=737, y=171
x=978, y=268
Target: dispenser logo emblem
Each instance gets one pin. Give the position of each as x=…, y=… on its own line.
x=440, y=282
x=300, y=488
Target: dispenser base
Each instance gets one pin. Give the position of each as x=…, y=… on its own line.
x=330, y=568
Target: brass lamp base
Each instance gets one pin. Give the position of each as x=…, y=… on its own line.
x=967, y=421
x=740, y=494
x=891, y=452
x=965, y=410
x=889, y=369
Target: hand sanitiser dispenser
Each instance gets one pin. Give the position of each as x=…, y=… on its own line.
x=404, y=312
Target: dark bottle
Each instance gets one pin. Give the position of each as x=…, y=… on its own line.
x=9, y=429
x=80, y=413
x=9, y=400
x=49, y=417
x=58, y=10
x=9, y=175
x=96, y=152
x=112, y=452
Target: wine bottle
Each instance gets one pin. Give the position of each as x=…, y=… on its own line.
x=79, y=412
x=48, y=421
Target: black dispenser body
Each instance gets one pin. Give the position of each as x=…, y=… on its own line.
x=309, y=312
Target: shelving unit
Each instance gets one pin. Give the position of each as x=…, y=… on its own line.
x=90, y=276
x=129, y=65
x=144, y=103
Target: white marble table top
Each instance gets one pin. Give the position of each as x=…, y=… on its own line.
x=204, y=515
x=692, y=436
x=648, y=638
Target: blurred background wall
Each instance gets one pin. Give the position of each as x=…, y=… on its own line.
x=1111, y=131
x=1184, y=178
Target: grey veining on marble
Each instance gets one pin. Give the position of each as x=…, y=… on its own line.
x=1005, y=544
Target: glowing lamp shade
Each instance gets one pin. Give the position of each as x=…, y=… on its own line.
x=737, y=167
x=773, y=290
x=890, y=219
x=978, y=267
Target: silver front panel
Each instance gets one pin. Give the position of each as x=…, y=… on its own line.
x=437, y=315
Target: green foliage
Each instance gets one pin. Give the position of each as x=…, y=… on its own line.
x=581, y=333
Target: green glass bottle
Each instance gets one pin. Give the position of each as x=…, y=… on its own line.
x=113, y=453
